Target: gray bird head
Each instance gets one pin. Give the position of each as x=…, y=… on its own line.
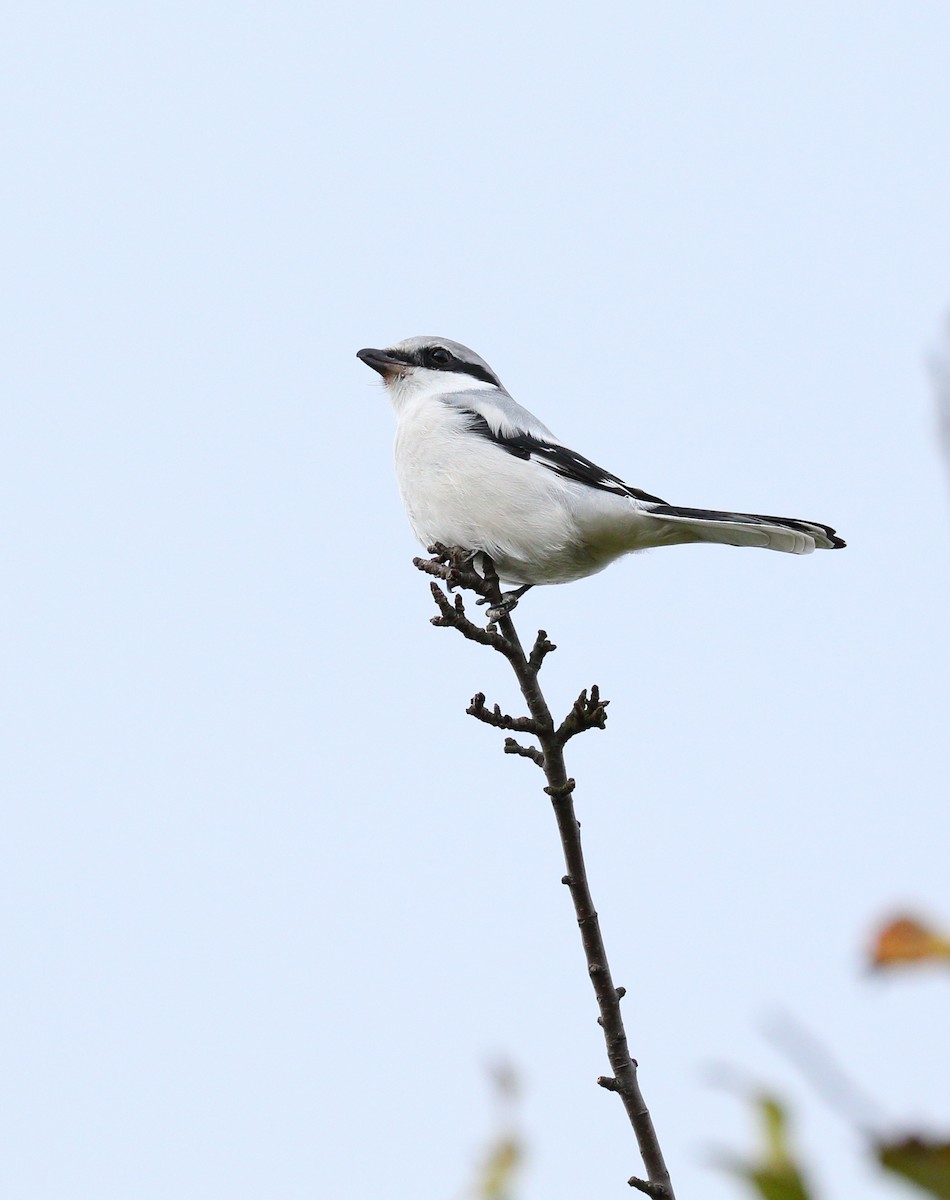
x=429, y=364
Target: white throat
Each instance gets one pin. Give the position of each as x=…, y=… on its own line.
x=420, y=384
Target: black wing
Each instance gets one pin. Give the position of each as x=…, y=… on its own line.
x=560, y=460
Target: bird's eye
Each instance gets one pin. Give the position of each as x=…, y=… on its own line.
x=438, y=356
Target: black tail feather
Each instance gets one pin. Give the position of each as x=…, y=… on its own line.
x=708, y=514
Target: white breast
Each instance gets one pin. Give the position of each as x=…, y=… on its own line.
x=465, y=490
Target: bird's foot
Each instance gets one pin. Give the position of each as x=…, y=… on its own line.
x=508, y=602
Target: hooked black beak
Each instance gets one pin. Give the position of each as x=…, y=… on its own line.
x=382, y=361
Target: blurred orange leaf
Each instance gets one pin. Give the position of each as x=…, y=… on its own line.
x=906, y=940
x=925, y=1163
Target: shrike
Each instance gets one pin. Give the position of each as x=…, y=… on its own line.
x=477, y=470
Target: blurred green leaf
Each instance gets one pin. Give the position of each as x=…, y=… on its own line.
x=776, y=1176
x=778, y=1185
x=499, y=1169
x=925, y=1163
x=504, y=1153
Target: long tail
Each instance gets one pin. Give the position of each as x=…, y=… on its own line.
x=787, y=534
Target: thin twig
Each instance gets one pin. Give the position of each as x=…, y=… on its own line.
x=940, y=377
x=458, y=570
x=514, y=747
x=826, y=1075
x=494, y=716
x=650, y=1188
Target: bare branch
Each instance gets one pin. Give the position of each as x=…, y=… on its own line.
x=940, y=377
x=454, y=615
x=494, y=716
x=657, y=1190
x=432, y=566
x=457, y=569
x=829, y=1079
x=589, y=712
x=542, y=647
x=513, y=747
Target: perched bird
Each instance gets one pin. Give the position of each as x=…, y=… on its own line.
x=477, y=470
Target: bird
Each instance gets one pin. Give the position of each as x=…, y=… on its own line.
x=479, y=472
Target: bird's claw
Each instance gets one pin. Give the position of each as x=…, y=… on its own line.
x=508, y=601
x=497, y=611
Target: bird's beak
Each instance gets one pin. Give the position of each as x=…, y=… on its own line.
x=383, y=362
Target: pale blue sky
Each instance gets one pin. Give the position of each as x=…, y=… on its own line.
x=271, y=900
